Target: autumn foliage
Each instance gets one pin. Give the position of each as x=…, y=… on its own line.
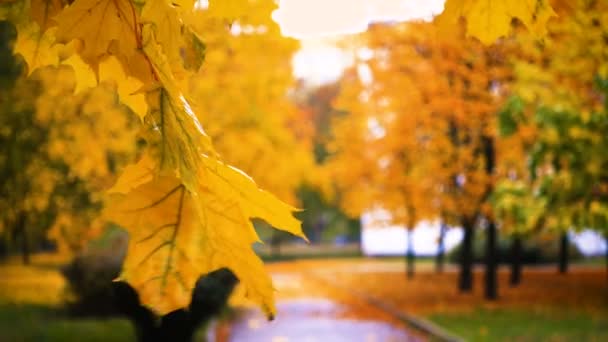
x=151, y=103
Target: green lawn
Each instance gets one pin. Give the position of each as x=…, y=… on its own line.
x=518, y=325
x=28, y=322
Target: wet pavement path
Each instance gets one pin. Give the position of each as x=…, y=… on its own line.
x=309, y=310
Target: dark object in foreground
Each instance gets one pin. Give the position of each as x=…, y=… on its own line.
x=208, y=299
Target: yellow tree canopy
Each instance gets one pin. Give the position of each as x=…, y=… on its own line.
x=240, y=92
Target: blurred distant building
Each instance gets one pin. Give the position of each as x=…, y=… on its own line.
x=380, y=237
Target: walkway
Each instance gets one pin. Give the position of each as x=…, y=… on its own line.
x=310, y=311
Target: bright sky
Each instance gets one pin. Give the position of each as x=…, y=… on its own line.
x=319, y=22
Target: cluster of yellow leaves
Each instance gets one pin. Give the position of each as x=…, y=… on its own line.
x=80, y=122
x=187, y=211
x=94, y=134
x=559, y=73
x=63, y=148
x=491, y=19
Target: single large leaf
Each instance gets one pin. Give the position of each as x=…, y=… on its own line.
x=177, y=235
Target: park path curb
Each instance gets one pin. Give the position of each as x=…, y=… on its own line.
x=436, y=332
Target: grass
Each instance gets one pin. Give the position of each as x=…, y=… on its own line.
x=522, y=325
x=31, y=322
x=31, y=300
x=31, y=306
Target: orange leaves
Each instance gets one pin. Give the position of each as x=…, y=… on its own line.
x=431, y=293
x=412, y=139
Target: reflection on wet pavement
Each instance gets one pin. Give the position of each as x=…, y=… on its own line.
x=312, y=319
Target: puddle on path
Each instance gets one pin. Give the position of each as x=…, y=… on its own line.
x=310, y=320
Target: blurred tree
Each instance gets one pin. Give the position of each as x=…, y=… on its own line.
x=19, y=139
x=252, y=109
x=559, y=113
x=322, y=219
x=420, y=128
x=51, y=177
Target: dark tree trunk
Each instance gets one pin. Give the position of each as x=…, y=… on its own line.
x=440, y=259
x=563, y=253
x=4, y=246
x=606, y=253
x=516, y=248
x=465, y=280
x=410, y=256
x=491, y=283
x=22, y=231
x=25, y=248
x=490, y=275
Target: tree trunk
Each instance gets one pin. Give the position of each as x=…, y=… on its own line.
x=25, y=246
x=563, y=253
x=491, y=283
x=516, y=248
x=410, y=256
x=465, y=280
x=440, y=259
x=606, y=253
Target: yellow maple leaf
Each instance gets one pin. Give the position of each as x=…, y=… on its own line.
x=177, y=235
x=129, y=88
x=491, y=19
x=135, y=175
x=85, y=77
x=37, y=48
x=165, y=22
x=234, y=185
x=105, y=27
